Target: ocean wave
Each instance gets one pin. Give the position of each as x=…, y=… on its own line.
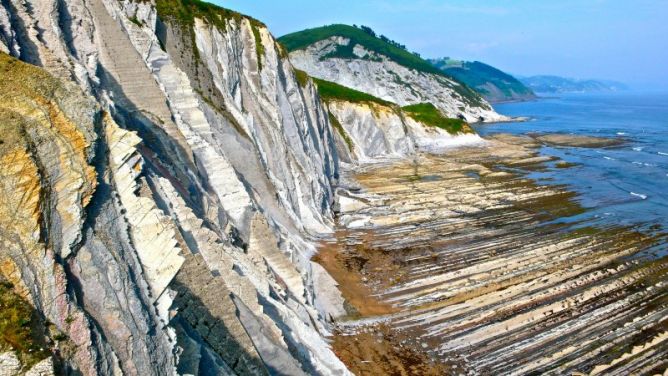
x=621, y=134
x=638, y=148
x=608, y=158
x=662, y=153
x=642, y=196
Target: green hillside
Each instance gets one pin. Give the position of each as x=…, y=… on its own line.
x=425, y=113
x=379, y=44
x=494, y=84
x=394, y=51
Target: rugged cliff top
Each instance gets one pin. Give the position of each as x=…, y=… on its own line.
x=365, y=37
x=186, y=11
x=378, y=44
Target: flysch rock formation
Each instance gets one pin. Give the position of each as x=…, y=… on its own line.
x=369, y=132
x=164, y=180
x=465, y=257
x=166, y=174
x=376, y=74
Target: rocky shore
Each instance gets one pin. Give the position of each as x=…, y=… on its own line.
x=461, y=263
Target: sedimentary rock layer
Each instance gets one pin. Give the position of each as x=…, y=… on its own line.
x=376, y=74
x=467, y=261
x=369, y=132
x=165, y=177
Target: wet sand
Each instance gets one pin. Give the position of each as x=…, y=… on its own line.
x=460, y=263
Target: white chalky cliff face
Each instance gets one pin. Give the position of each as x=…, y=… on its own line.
x=186, y=178
x=378, y=75
x=369, y=132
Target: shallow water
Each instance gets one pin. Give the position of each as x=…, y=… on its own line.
x=626, y=184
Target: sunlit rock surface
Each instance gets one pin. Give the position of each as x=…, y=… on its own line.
x=164, y=182
x=464, y=258
x=368, y=132
x=379, y=76
x=166, y=177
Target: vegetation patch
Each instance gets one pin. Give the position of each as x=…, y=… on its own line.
x=302, y=77
x=382, y=45
x=428, y=114
x=476, y=75
x=342, y=51
x=135, y=21
x=19, y=327
x=259, y=47
x=185, y=12
x=339, y=128
x=332, y=91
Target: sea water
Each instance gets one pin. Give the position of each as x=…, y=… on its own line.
x=621, y=185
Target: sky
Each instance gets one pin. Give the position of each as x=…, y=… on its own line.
x=624, y=40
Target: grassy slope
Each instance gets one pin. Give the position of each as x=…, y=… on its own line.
x=427, y=114
x=330, y=90
x=185, y=11
x=302, y=39
x=476, y=74
x=18, y=327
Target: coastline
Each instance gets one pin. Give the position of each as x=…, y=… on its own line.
x=480, y=232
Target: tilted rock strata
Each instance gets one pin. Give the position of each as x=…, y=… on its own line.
x=371, y=132
x=381, y=77
x=477, y=271
x=198, y=172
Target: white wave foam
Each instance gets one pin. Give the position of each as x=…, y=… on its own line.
x=642, y=196
x=608, y=158
x=621, y=134
x=662, y=153
x=638, y=148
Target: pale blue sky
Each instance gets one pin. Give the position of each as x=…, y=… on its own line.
x=626, y=40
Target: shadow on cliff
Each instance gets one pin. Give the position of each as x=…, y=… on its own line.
x=195, y=323
x=149, y=128
x=28, y=52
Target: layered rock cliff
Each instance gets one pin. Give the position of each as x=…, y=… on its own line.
x=353, y=58
x=371, y=131
x=165, y=177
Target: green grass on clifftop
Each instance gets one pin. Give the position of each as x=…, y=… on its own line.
x=185, y=11
x=302, y=39
x=380, y=45
x=332, y=91
x=429, y=115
